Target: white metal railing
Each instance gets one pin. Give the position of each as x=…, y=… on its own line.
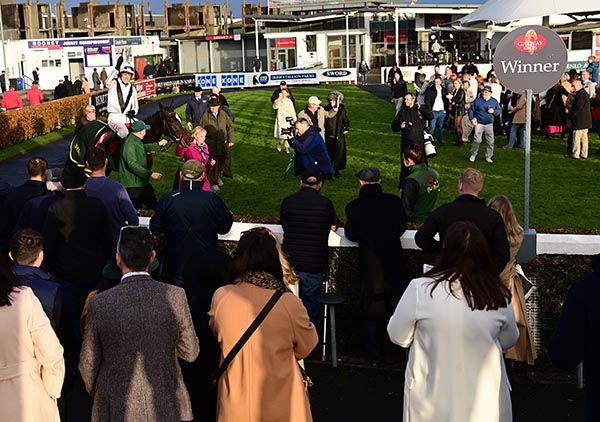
x=547, y=244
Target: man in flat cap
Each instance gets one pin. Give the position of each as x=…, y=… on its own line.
x=377, y=220
x=190, y=219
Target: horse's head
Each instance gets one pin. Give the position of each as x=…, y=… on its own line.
x=172, y=126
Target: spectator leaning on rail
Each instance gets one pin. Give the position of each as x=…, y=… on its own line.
x=190, y=220
x=481, y=114
x=421, y=186
x=113, y=195
x=307, y=217
x=122, y=97
x=467, y=207
x=376, y=220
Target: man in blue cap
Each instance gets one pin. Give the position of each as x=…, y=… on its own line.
x=134, y=171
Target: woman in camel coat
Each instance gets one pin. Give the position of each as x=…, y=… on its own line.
x=32, y=368
x=263, y=382
x=524, y=350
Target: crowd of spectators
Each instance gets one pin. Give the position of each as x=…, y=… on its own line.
x=469, y=103
x=80, y=296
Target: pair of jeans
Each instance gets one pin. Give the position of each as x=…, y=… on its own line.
x=311, y=285
x=516, y=130
x=437, y=124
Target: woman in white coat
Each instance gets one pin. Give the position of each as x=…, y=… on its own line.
x=457, y=321
x=285, y=118
x=31, y=358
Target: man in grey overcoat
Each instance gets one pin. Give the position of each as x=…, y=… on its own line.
x=133, y=335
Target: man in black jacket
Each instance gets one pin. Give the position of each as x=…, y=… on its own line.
x=190, y=219
x=467, y=207
x=377, y=220
x=410, y=122
x=576, y=340
x=60, y=90
x=581, y=120
x=37, y=168
x=307, y=217
x=436, y=100
x=195, y=108
x=78, y=242
x=275, y=95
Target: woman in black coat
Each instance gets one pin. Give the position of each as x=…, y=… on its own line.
x=336, y=129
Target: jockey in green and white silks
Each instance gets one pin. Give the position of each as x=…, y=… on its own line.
x=122, y=98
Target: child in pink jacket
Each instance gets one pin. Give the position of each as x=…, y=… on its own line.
x=198, y=150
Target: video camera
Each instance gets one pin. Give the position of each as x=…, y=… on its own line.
x=288, y=130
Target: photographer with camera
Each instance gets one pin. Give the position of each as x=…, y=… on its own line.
x=284, y=120
x=310, y=148
x=411, y=122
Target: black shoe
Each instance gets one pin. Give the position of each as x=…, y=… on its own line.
x=336, y=174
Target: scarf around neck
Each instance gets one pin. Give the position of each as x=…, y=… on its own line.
x=263, y=279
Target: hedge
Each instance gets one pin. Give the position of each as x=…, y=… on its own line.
x=26, y=123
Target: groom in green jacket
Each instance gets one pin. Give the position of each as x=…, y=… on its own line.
x=134, y=171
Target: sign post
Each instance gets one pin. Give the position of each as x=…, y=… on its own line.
x=527, y=61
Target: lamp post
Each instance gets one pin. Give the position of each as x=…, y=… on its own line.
x=4, y=67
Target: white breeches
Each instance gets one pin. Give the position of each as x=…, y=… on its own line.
x=117, y=122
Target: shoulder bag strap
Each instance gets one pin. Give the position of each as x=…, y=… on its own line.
x=255, y=324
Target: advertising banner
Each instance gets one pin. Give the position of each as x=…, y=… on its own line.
x=145, y=88
x=222, y=80
x=69, y=42
x=295, y=77
x=166, y=84
x=313, y=76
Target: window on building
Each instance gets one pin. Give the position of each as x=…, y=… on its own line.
x=311, y=43
x=581, y=40
x=44, y=63
x=57, y=63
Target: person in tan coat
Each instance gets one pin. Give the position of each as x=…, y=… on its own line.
x=264, y=381
x=316, y=114
x=32, y=367
x=524, y=349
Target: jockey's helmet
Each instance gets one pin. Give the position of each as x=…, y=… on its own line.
x=127, y=68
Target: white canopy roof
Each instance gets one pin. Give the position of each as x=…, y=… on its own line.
x=501, y=11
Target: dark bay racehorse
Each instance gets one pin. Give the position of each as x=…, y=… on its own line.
x=164, y=123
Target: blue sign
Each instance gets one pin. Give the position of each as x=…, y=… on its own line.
x=233, y=80
x=206, y=81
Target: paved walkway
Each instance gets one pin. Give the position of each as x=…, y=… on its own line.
x=380, y=91
x=14, y=170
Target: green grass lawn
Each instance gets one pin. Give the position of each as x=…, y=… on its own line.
x=563, y=195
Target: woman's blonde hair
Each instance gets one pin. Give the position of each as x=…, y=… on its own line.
x=289, y=277
x=198, y=129
x=504, y=207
